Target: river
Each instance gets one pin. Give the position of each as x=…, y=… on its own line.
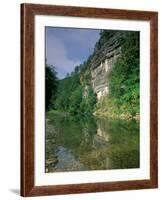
x=77, y=144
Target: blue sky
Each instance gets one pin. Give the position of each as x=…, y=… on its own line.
x=68, y=47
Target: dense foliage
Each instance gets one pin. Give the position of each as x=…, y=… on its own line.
x=124, y=78
x=51, y=84
x=74, y=96
x=74, y=93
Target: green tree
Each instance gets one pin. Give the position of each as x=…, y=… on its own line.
x=51, y=84
x=88, y=102
x=75, y=101
x=124, y=77
x=65, y=89
x=70, y=96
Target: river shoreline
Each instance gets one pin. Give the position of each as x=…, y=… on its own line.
x=98, y=114
x=124, y=116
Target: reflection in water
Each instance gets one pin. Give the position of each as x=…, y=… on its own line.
x=90, y=144
x=104, y=135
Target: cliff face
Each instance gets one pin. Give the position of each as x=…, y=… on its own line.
x=115, y=82
x=102, y=62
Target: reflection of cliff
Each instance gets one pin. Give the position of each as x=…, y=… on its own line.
x=103, y=134
x=102, y=63
x=90, y=144
x=101, y=137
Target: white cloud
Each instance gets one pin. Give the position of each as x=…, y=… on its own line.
x=57, y=56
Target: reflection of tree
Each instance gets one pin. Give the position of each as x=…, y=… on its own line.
x=98, y=143
x=123, y=145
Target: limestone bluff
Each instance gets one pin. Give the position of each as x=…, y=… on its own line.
x=107, y=83
x=102, y=61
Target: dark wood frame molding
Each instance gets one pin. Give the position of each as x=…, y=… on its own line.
x=28, y=11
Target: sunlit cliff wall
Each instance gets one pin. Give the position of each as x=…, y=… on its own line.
x=102, y=63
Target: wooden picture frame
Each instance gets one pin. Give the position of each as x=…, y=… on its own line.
x=28, y=12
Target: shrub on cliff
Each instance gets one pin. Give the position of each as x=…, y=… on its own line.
x=124, y=77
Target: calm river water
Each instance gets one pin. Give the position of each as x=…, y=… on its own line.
x=90, y=143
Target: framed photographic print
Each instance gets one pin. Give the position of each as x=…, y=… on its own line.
x=88, y=99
